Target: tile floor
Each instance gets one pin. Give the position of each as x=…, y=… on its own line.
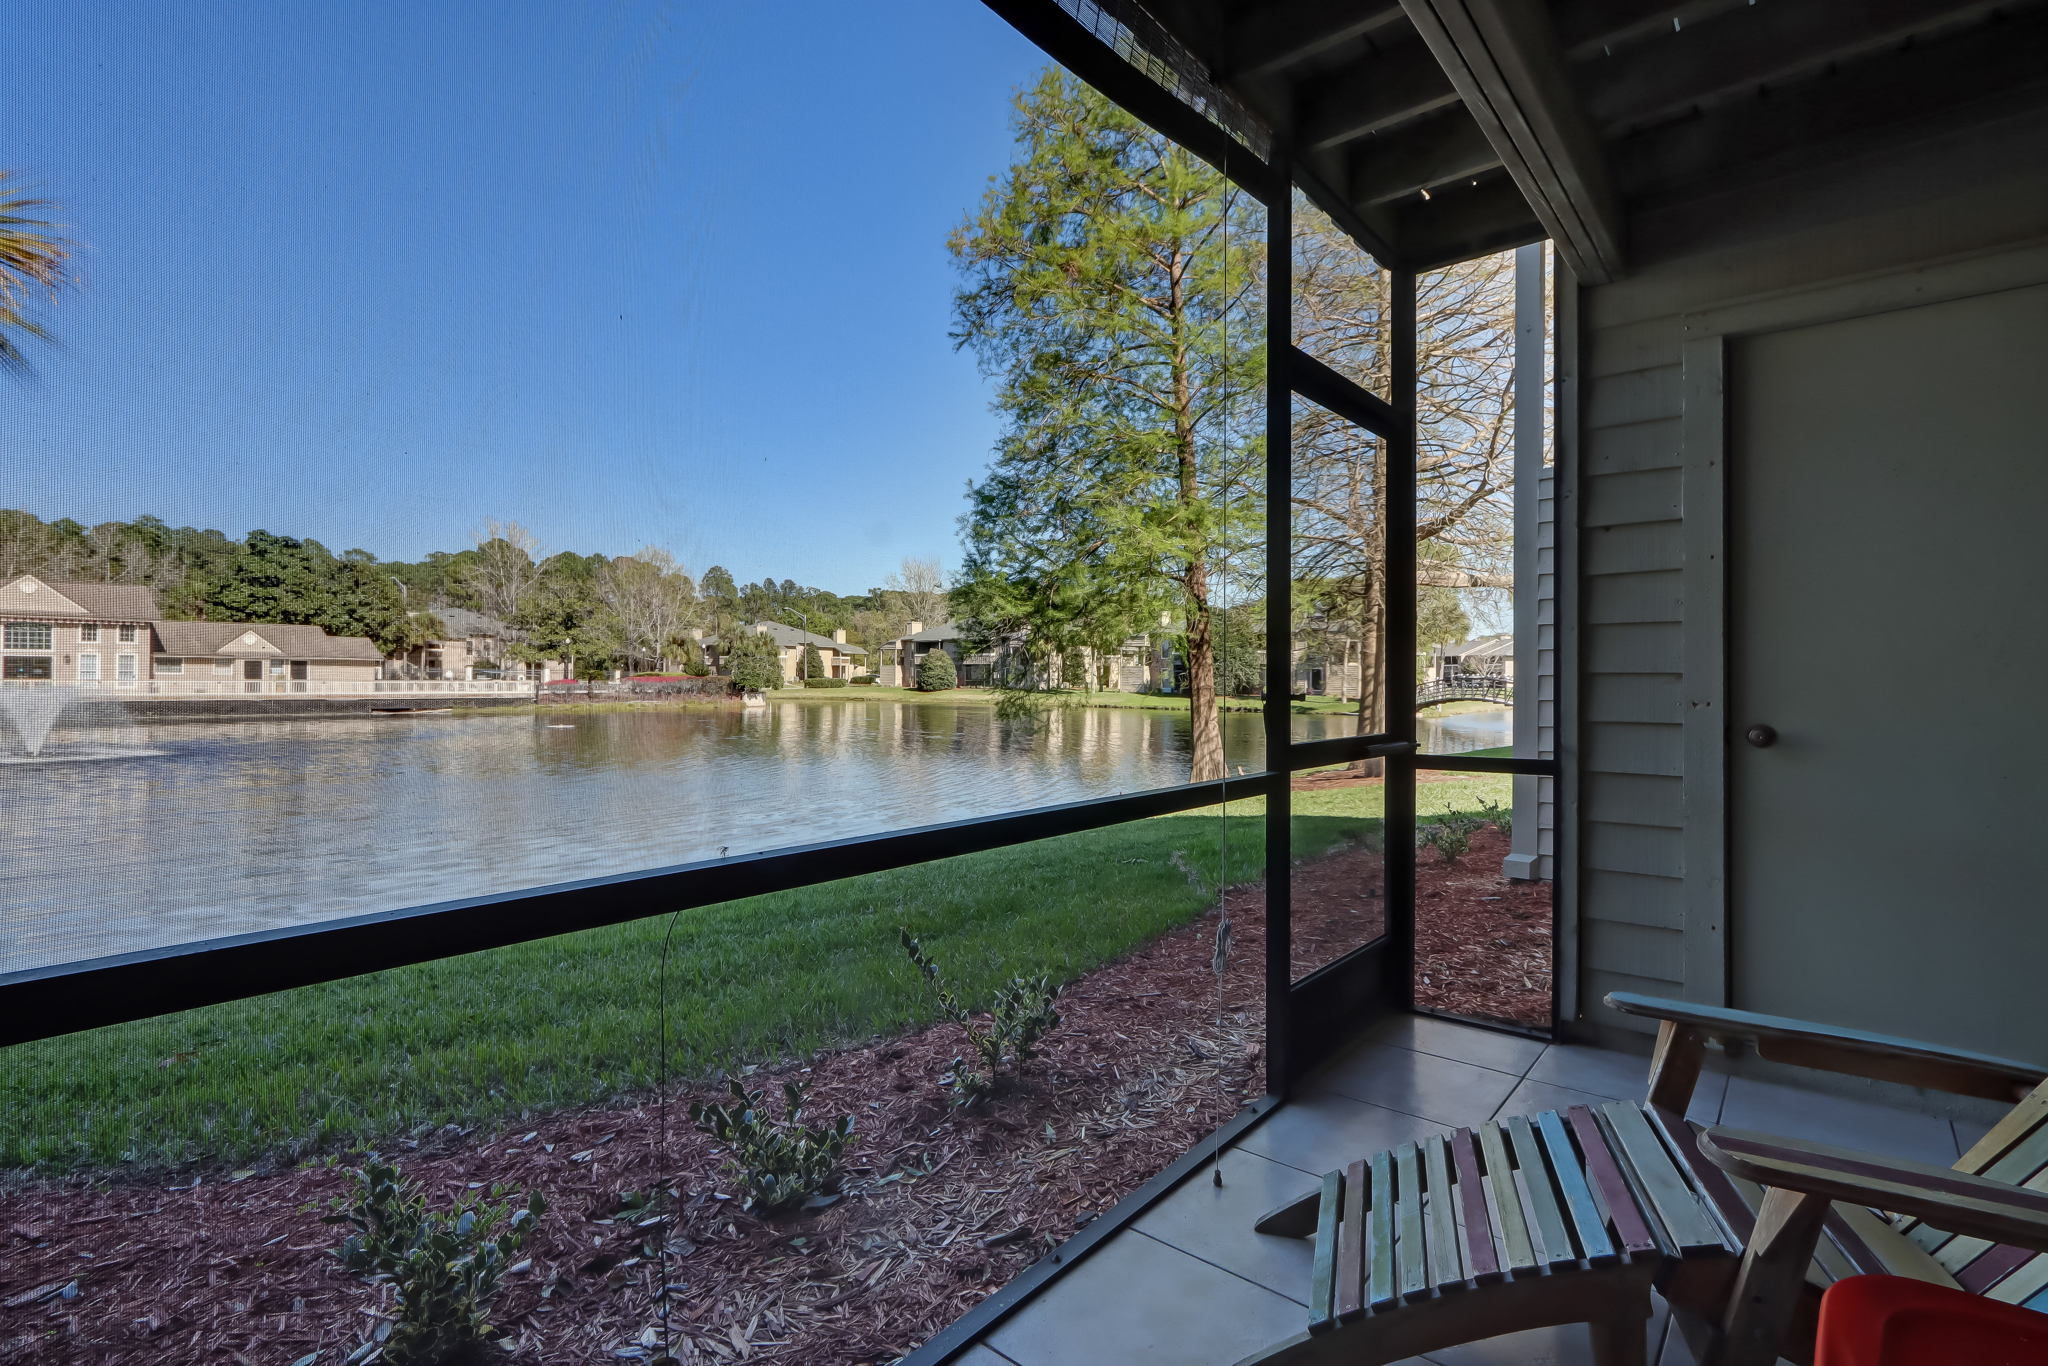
x=1190, y=1284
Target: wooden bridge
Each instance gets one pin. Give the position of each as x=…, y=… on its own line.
x=1466, y=688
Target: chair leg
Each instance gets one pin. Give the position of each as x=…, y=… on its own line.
x=1769, y=1284
x=1619, y=1341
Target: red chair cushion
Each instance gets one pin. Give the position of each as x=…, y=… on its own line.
x=1894, y=1321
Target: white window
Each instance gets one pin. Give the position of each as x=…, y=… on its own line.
x=27, y=635
x=169, y=666
x=125, y=665
x=88, y=634
x=223, y=666
x=89, y=667
x=127, y=635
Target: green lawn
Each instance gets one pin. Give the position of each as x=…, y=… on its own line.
x=571, y=1020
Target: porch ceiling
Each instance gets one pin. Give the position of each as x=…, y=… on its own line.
x=1438, y=130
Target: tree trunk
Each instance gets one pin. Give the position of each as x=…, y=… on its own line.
x=1207, y=724
x=1372, y=674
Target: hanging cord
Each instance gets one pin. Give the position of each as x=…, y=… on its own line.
x=668, y=1229
x=1219, y=958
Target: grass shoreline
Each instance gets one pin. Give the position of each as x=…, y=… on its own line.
x=488, y=1037
x=1314, y=706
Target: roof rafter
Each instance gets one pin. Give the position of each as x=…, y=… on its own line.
x=1273, y=37
x=1753, y=46
x=1504, y=59
x=1389, y=91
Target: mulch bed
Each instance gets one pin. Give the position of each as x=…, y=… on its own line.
x=940, y=1206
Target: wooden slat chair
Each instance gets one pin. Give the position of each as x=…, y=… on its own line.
x=1529, y=1222
x=1793, y=1242
x=1583, y=1212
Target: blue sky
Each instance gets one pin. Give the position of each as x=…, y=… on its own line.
x=626, y=273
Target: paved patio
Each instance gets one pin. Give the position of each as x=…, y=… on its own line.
x=1190, y=1283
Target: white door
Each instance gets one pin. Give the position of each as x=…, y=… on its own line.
x=1888, y=486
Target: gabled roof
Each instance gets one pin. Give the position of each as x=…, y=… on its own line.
x=1482, y=647
x=288, y=642
x=787, y=636
x=461, y=623
x=949, y=631
x=30, y=596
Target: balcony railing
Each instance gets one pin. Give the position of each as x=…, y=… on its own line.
x=253, y=687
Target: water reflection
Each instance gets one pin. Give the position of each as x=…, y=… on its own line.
x=246, y=825
x=1462, y=732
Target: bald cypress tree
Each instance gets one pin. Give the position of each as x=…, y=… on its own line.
x=1110, y=285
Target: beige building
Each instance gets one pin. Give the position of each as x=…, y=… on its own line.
x=113, y=636
x=1138, y=667
x=471, y=646
x=840, y=660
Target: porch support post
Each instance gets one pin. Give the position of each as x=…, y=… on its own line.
x=1279, y=628
x=1525, y=855
x=1399, y=672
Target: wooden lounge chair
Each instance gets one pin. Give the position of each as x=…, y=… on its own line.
x=1573, y=1217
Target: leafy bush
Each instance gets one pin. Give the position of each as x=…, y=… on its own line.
x=692, y=660
x=754, y=664
x=1501, y=817
x=778, y=1162
x=824, y=682
x=860, y=680
x=444, y=1268
x=1451, y=835
x=1023, y=1012
x=935, y=671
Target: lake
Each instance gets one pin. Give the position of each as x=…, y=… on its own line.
x=224, y=827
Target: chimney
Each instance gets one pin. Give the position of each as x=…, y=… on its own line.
x=915, y=627
x=839, y=635
x=760, y=628
x=696, y=633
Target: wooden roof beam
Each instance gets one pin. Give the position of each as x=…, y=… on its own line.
x=1272, y=37
x=1593, y=28
x=1439, y=151
x=1859, y=108
x=1461, y=224
x=1754, y=46
x=1504, y=59
x=1384, y=93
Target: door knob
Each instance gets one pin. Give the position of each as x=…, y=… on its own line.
x=1763, y=737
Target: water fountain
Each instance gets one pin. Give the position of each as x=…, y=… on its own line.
x=93, y=727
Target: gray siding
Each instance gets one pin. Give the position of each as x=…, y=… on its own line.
x=1973, y=193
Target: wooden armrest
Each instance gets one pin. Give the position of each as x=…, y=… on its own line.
x=1953, y=1201
x=1829, y=1048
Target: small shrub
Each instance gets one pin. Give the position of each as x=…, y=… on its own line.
x=779, y=1163
x=824, y=682
x=864, y=680
x=935, y=671
x=1023, y=1012
x=1502, y=818
x=1450, y=840
x=443, y=1268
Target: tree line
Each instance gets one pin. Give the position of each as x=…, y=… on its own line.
x=633, y=612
